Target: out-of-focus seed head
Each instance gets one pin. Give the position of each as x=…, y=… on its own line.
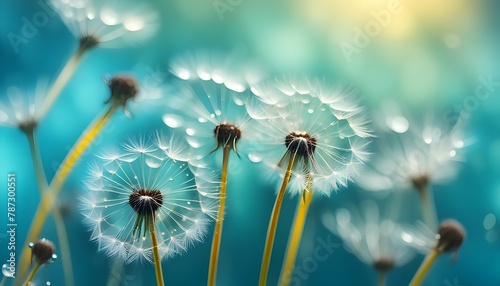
x=42, y=251
x=87, y=42
x=420, y=182
x=123, y=88
x=450, y=236
x=384, y=264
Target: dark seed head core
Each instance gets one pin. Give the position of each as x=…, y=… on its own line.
x=123, y=88
x=88, y=41
x=42, y=250
x=420, y=182
x=145, y=202
x=383, y=264
x=301, y=144
x=227, y=134
x=450, y=236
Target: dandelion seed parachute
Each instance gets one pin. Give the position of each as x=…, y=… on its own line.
x=120, y=189
x=324, y=119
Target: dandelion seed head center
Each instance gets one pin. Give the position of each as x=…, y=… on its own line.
x=450, y=236
x=420, y=182
x=227, y=133
x=300, y=143
x=27, y=125
x=123, y=88
x=384, y=264
x=145, y=202
x=42, y=250
x=88, y=41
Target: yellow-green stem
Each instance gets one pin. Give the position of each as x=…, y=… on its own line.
x=273, y=223
x=43, y=189
x=296, y=235
x=428, y=207
x=32, y=274
x=4, y=278
x=61, y=81
x=47, y=200
x=424, y=268
x=214, y=255
x=156, y=254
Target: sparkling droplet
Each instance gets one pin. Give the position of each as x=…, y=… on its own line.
x=172, y=120
x=6, y=271
x=202, y=120
x=47, y=283
x=254, y=158
x=398, y=124
x=31, y=244
x=310, y=110
x=453, y=153
x=190, y=131
x=170, y=179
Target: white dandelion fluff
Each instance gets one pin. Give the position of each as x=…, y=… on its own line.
x=138, y=186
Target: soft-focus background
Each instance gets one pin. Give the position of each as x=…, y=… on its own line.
x=425, y=54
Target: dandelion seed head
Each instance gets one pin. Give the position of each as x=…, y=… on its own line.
x=109, y=24
x=451, y=235
x=123, y=88
x=43, y=251
x=141, y=186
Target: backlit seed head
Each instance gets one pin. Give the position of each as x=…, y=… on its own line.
x=123, y=88
x=450, y=236
x=42, y=251
x=227, y=134
x=301, y=144
x=88, y=41
x=145, y=202
x=420, y=182
x=384, y=264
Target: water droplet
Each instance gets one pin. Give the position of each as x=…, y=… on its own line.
x=54, y=256
x=212, y=115
x=489, y=221
x=109, y=17
x=190, y=131
x=188, y=203
x=133, y=24
x=170, y=179
x=172, y=120
x=47, y=283
x=6, y=271
x=453, y=153
x=310, y=110
x=254, y=158
x=458, y=144
x=202, y=120
x=31, y=244
x=398, y=124
x=218, y=112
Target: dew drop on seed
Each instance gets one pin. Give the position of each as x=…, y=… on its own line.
x=310, y=110
x=188, y=203
x=254, y=158
x=134, y=24
x=172, y=120
x=54, y=256
x=47, y=283
x=170, y=179
x=190, y=131
x=202, y=120
x=109, y=17
x=31, y=244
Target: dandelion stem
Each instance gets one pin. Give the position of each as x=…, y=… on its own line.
x=382, y=275
x=32, y=274
x=424, y=268
x=2, y=283
x=273, y=223
x=428, y=207
x=43, y=189
x=156, y=253
x=214, y=256
x=296, y=234
x=61, y=80
x=47, y=200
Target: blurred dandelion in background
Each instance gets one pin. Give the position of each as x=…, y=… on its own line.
x=373, y=236
x=415, y=153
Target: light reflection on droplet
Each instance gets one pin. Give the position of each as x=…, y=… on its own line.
x=254, y=158
x=190, y=131
x=172, y=120
x=109, y=17
x=398, y=124
x=453, y=153
x=489, y=221
x=134, y=24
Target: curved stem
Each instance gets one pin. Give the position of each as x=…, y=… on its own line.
x=61, y=80
x=48, y=198
x=214, y=256
x=156, y=254
x=424, y=268
x=32, y=274
x=43, y=189
x=273, y=223
x=296, y=234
